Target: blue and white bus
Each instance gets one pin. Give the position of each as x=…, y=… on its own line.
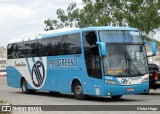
x=95, y=61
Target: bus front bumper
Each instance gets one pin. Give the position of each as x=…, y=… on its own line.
x=113, y=90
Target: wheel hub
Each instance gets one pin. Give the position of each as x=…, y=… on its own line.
x=78, y=90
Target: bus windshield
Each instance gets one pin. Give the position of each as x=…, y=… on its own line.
x=126, y=55
x=120, y=36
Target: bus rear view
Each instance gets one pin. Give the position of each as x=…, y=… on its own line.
x=96, y=61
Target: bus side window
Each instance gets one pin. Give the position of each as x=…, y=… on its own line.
x=34, y=51
x=30, y=49
x=14, y=51
x=41, y=48
x=53, y=47
x=73, y=45
x=9, y=51
x=91, y=53
x=21, y=51
x=48, y=52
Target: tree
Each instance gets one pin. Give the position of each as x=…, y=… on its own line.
x=92, y=14
x=52, y=24
x=65, y=20
x=141, y=14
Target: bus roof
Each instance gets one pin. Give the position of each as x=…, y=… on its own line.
x=64, y=31
x=108, y=28
x=76, y=30
x=14, y=41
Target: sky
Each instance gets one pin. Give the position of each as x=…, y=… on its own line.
x=21, y=19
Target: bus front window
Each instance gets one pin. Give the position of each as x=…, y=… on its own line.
x=126, y=55
x=125, y=60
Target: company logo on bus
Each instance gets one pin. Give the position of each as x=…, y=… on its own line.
x=125, y=80
x=38, y=74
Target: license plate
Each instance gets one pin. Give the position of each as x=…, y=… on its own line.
x=130, y=90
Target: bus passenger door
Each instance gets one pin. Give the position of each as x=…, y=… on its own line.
x=92, y=61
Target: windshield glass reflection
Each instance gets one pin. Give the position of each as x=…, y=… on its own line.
x=125, y=60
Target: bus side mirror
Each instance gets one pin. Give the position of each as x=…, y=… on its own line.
x=103, y=48
x=153, y=47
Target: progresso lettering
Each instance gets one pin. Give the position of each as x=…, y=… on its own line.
x=64, y=62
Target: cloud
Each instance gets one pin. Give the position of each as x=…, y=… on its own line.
x=25, y=18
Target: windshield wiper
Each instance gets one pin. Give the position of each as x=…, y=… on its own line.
x=130, y=63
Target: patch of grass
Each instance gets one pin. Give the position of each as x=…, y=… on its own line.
x=5, y=112
x=3, y=101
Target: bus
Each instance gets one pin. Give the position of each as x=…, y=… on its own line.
x=91, y=61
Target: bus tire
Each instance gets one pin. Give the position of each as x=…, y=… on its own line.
x=24, y=87
x=78, y=91
x=116, y=97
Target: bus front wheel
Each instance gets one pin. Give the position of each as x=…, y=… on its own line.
x=78, y=91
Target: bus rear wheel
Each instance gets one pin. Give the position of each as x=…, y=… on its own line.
x=116, y=97
x=24, y=87
x=78, y=91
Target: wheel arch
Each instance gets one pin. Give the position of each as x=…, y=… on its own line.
x=22, y=78
x=73, y=81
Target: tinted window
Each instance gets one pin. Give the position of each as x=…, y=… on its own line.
x=9, y=51
x=57, y=46
x=21, y=50
x=73, y=45
x=60, y=45
x=91, y=53
x=64, y=45
x=120, y=36
x=41, y=48
x=12, y=51
x=30, y=49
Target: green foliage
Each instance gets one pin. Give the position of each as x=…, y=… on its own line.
x=141, y=14
x=3, y=101
x=68, y=19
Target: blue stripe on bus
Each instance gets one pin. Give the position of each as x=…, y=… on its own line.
x=29, y=68
x=33, y=60
x=40, y=58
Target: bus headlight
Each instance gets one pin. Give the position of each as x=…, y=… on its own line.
x=145, y=79
x=110, y=82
